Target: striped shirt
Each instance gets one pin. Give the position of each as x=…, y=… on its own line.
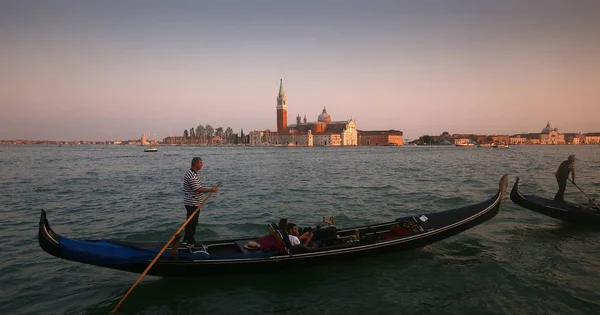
x=191, y=184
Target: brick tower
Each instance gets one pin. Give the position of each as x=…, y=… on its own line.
x=281, y=109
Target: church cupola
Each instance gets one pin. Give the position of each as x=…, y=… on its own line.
x=324, y=117
x=547, y=129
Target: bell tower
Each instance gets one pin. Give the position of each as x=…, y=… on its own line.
x=281, y=109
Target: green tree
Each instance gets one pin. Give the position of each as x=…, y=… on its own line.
x=229, y=134
x=185, y=134
x=427, y=139
x=200, y=133
x=219, y=132
x=209, y=133
x=192, y=135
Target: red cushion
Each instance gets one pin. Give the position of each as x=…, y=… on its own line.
x=401, y=231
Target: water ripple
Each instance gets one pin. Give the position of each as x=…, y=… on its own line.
x=519, y=262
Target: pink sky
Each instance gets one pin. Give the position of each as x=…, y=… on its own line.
x=112, y=71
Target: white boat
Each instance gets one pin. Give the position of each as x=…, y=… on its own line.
x=151, y=150
x=465, y=145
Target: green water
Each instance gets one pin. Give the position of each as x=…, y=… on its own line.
x=518, y=262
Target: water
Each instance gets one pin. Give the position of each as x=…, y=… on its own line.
x=518, y=262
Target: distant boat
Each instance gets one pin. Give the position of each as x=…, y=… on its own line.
x=493, y=145
x=465, y=145
x=151, y=150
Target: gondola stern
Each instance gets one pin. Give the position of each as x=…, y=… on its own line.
x=515, y=195
x=49, y=241
x=502, y=186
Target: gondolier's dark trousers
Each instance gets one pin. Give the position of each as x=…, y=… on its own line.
x=190, y=228
x=562, y=185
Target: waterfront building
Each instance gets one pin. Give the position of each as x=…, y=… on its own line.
x=381, y=137
x=592, y=138
x=548, y=135
x=574, y=138
x=463, y=139
x=551, y=136
x=518, y=139
x=493, y=139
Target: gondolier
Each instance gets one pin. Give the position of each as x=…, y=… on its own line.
x=193, y=195
x=562, y=174
x=587, y=213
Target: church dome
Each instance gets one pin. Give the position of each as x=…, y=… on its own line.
x=324, y=117
x=547, y=129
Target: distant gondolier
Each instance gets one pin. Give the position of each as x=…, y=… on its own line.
x=562, y=174
x=193, y=195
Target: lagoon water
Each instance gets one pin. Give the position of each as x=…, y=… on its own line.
x=519, y=262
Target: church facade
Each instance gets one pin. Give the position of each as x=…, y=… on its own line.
x=323, y=132
x=548, y=135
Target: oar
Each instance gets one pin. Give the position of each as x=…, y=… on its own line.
x=162, y=251
x=592, y=200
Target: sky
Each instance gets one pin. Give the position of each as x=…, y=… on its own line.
x=108, y=70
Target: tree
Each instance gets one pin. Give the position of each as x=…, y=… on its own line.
x=427, y=140
x=185, y=134
x=229, y=134
x=242, y=135
x=209, y=132
x=200, y=132
x=192, y=135
x=219, y=132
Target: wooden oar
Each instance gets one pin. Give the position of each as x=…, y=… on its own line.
x=592, y=200
x=162, y=251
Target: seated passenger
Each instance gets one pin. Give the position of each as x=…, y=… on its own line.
x=296, y=238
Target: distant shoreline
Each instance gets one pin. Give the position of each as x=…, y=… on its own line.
x=258, y=145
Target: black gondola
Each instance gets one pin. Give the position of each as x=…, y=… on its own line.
x=231, y=256
x=567, y=211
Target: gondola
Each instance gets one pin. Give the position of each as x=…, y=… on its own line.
x=329, y=244
x=567, y=211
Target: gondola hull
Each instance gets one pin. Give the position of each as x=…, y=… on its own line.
x=567, y=211
x=229, y=256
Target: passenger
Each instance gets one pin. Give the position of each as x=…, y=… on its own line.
x=296, y=238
